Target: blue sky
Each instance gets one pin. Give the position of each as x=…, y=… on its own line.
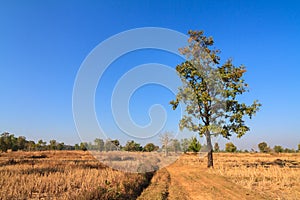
x=43, y=43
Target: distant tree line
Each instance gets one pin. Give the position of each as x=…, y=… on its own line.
x=10, y=142
x=264, y=148
x=114, y=145
x=169, y=144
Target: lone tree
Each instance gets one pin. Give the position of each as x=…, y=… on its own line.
x=175, y=145
x=166, y=140
x=210, y=92
x=216, y=147
x=263, y=147
x=230, y=147
x=185, y=143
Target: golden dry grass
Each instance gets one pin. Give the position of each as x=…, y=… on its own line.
x=274, y=175
x=136, y=161
x=64, y=175
x=158, y=188
x=78, y=175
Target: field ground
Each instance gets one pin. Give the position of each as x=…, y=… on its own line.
x=235, y=176
x=77, y=175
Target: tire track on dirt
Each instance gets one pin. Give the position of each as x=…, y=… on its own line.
x=158, y=188
x=188, y=179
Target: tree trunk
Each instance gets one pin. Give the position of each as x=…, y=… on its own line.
x=166, y=151
x=210, y=161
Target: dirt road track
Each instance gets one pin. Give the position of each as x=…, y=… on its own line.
x=188, y=179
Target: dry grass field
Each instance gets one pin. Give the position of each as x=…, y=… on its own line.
x=78, y=175
x=64, y=175
x=274, y=175
x=235, y=176
x=140, y=162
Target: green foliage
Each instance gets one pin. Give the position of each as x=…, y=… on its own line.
x=263, y=147
x=184, y=143
x=194, y=145
x=52, y=144
x=216, y=147
x=77, y=147
x=116, y=144
x=278, y=149
x=5, y=142
x=150, y=147
x=210, y=92
x=287, y=150
x=299, y=147
x=83, y=146
x=21, y=142
x=30, y=146
x=230, y=147
x=132, y=146
x=9, y=141
x=41, y=145
x=207, y=85
x=60, y=146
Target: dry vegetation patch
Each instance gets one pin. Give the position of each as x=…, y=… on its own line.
x=158, y=188
x=65, y=175
x=136, y=161
x=274, y=175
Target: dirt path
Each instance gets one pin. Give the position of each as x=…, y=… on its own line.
x=188, y=179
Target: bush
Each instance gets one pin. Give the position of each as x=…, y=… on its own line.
x=230, y=147
x=278, y=149
x=195, y=145
x=263, y=147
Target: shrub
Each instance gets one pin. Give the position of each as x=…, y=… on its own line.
x=230, y=147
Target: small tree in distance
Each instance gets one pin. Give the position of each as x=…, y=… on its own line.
x=99, y=144
x=166, y=140
x=83, y=146
x=230, y=147
x=150, y=147
x=175, y=145
x=184, y=143
x=278, y=149
x=77, y=147
x=263, y=147
x=132, y=146
x=52, y=144
x=216, y=147
x=195, y=145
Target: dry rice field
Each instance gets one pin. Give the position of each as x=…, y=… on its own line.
x=78, y=175
x=276, y=176
x=64, y=175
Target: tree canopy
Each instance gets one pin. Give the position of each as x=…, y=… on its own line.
x=209, y=92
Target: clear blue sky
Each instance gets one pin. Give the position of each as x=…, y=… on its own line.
x=43, y=43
